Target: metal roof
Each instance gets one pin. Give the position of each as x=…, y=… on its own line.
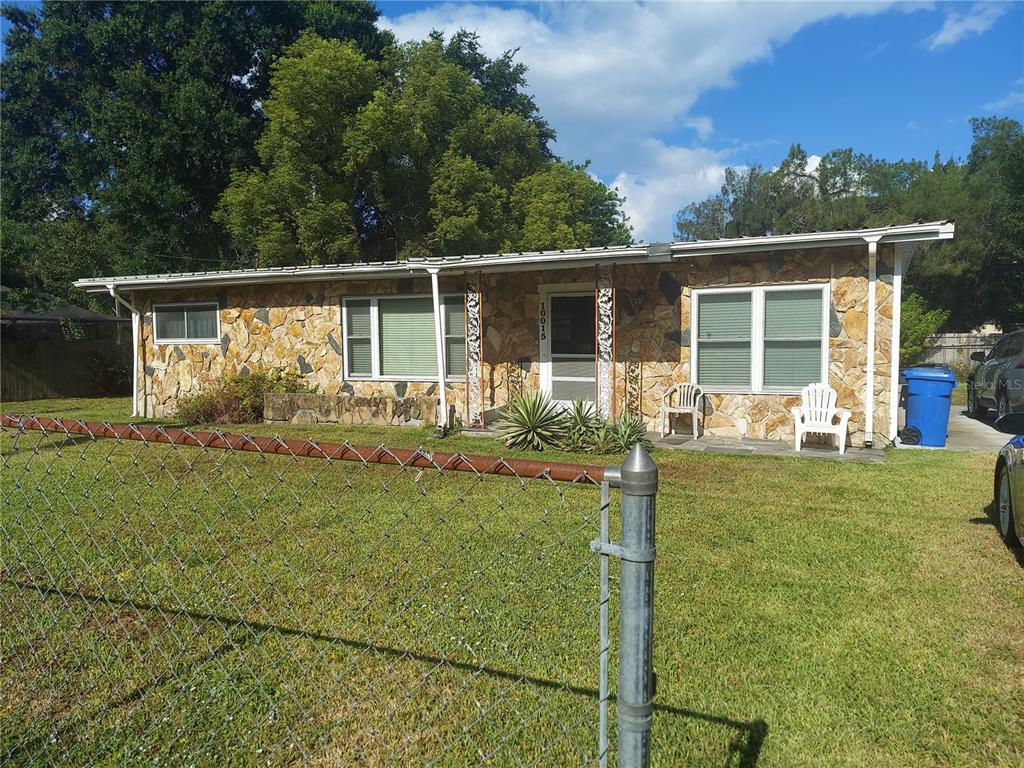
x=528, y=260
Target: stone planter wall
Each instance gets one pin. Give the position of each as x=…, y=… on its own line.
x=383, y=411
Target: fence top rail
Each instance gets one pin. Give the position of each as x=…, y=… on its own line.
x=381, y=454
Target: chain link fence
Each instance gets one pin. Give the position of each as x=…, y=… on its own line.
x=195, y=598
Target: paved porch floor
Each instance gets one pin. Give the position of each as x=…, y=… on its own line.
x=750, y=447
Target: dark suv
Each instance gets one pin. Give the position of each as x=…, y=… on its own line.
x=999, y=381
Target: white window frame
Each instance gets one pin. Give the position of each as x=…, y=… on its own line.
x=375, y=374
x=757, y=293
x=186, y=304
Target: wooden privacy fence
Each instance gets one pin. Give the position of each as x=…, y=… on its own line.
x=33, y=369
x=956, y=348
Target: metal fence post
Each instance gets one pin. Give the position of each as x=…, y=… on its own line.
x=634, y=704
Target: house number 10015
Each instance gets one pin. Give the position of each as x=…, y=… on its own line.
x=543, y=322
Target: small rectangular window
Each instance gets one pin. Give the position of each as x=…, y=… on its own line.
x=360, y=351
x=186, y=323
x=455, y=335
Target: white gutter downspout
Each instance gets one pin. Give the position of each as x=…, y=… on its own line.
x=869, y=386
x=135, y=347
x=897, y=306
x=442, y=418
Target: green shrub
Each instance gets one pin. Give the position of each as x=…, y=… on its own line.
x=238, y=399
x=532, y=421
x=917, y=323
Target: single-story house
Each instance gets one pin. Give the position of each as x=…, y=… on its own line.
x=751, y=319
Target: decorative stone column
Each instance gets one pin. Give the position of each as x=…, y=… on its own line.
x=474, y=352
x=605, y=342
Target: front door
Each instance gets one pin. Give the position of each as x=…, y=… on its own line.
x=568, y=346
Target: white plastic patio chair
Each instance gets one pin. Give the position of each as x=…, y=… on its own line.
x=688, y=398
x=817, y=414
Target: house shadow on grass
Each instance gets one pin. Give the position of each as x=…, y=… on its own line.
x=989, y=516
x=744, y=748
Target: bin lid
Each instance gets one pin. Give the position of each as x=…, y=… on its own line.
x=930, y=373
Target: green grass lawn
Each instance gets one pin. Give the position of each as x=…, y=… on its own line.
x=808, y=613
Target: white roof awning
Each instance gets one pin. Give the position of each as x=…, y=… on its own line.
x=525, y=261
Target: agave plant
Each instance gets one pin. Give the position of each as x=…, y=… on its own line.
x=581, y=422
x=603, y=438
x=531, y=421
x=629, y=431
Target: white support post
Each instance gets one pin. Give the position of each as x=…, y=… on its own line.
x=903, y=253
x=118, y=301
x=442, y=418
x=869, y=385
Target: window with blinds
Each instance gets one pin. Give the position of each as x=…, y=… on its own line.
x=360, y=345
x=763, y=339
x=393, y=337
x=792, y=338
x=406, y=332
x=186, y=323
x=455, y=335
x=724, y=339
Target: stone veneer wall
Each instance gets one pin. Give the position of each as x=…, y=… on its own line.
x=664, y=355
x=297, y=326
x=293, y=326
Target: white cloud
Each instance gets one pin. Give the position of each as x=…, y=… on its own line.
x=662, y=179
x=702, y=124
x=1009, y=101
x=613, y=77
x=957, y=26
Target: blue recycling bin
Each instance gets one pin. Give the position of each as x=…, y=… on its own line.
x=929, y=390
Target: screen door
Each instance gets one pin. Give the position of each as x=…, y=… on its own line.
x=568, y=356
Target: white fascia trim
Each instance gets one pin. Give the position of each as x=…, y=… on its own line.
x=904, y=233
x=497, y=263
x=213, y=279
x=541, y=260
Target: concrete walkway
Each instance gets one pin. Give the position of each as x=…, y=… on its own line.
x=750, y=447
x=967, y=434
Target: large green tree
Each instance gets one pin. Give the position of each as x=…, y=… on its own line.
x=978, y=277
x=122, y=122
x=160, y=136
x=440, y=158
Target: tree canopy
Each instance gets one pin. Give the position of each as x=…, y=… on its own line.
x=419, y=158
x=152, y=137
x=122, y=122
x=978, y=277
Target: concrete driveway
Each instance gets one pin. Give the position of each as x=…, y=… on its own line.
x=967, y=434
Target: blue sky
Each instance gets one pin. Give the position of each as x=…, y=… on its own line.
x=662, y=97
